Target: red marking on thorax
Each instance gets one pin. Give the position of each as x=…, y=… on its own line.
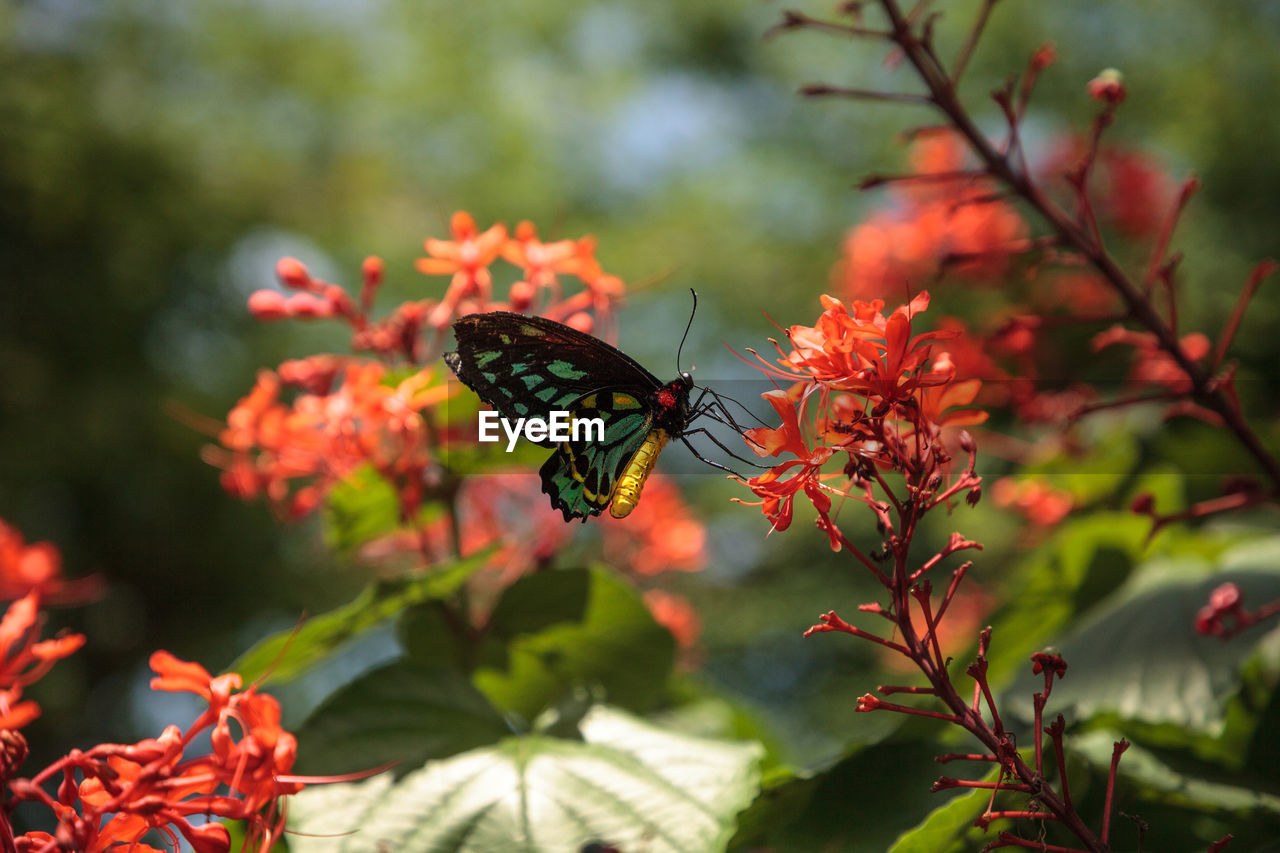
x=666, y=399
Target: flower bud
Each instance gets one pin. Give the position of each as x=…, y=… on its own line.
x=1143, y=504
x=372, y=270
x=1044, y=56
x=582, y=321
x=268, y=305
x=1225, y=597
x=522, y=293
x=292, y=273
x=1108, y=86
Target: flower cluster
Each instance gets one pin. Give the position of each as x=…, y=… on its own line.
x=945, y=217
x=111, y=796
x=352, y=413
x=316, y=423
x=865, y=391
x=26, y=659
x=345, y=417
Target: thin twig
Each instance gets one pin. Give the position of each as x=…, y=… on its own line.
x=1260, y=272
x=824, y=90
x=970, y=43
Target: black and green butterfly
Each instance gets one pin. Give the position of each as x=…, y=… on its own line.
x=527, y=367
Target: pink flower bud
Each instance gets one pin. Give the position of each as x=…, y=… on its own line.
x=1108, y=86
x=1226, y=597
x=292, y=273
x=522, y=293
x=372, y=270
x=268, y=305
x=582, y=321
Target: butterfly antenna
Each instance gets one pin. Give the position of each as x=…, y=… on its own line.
x=687, y=327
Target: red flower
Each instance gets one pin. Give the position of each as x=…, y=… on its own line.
x=936, y=222
x=777, y=493
x=1153, y=366
x=26, y=659
x=36, y=568
x=1038, y=502
x=129, y=790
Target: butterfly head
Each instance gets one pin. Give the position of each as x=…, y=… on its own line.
x=672, y=404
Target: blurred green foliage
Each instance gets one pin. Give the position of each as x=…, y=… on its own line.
x=156, y=160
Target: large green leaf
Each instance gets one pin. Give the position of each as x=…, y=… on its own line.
x=1085, y=560
x=402, y=712
x=629, y=785
x=1155, y=779
x=555, y=631
x=288, y=654
x=944, y=829
x=1137, y=657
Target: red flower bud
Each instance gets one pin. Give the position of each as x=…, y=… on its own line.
x=522, y=293
x=1108, y=86
x=1143, y=504
x=1225, y=597
x=372, y=270
x=207, y=838
x=581, y=321
x=268, y=305
x=292, y=273
x=1044, y=57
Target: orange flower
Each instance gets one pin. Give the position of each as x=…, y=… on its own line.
x=936, y=222
x=294, y=454
x=37, y=568
x=130, y=790
x=661, y=535
x=1153, y=366
x=467, y=258
x=1038, y=502
x=879, y=400
x=676, y=614
x=542, y=263
x=26, y=659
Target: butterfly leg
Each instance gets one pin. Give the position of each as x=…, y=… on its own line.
x=703, y=459
x=720, y=402
x=720, y=445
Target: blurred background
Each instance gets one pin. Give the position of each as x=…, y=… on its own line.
x=157, y=159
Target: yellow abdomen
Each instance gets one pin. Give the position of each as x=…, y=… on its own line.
x=626, y=494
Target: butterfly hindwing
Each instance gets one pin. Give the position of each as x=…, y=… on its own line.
x=580, y=476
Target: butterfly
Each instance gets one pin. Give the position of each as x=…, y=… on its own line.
x=528, y=367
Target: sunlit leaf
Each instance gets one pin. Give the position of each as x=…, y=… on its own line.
x=628, y=784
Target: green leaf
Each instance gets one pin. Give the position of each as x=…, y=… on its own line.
x=1158, y=780
x=360, y=508
x=944, y=829
x=1085, y=560
x=288, y=654
x=1138, y=657
x=629, y=785
x=555, y=631
x=402, y=712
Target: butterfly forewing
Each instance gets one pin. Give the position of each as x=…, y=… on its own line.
x=529, y=366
